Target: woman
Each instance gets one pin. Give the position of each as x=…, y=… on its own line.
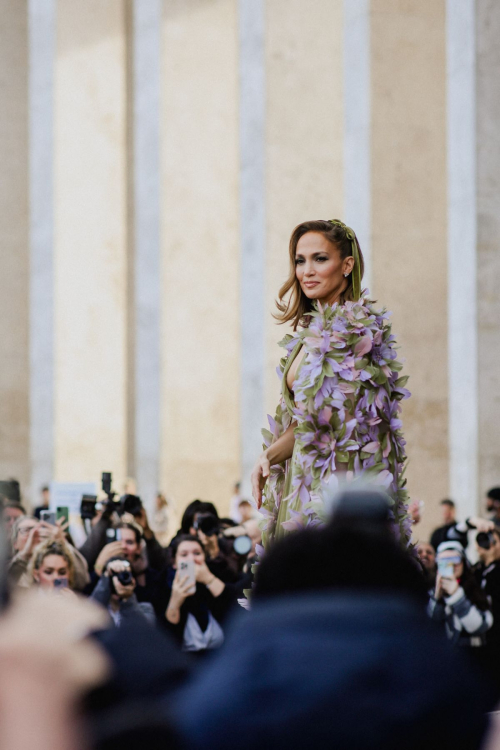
x=339, y=411
x=458, y=601
x=195, y=614
x=52, y=566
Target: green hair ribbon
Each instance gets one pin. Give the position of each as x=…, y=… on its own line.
x=356, y=271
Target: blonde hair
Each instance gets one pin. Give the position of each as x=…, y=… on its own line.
x=47, y=548
x=297, y=306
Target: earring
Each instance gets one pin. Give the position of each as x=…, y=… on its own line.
x=346, y=275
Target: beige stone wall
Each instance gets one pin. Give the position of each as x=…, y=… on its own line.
x=304, y=145
x=90, y=241
x=200, y=236
x=488, y=250
x=14, y=239
x=409, y=224
x=201, y=165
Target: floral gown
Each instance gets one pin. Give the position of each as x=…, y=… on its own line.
x=345, y=403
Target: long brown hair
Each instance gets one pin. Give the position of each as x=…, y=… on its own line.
x=298, y=305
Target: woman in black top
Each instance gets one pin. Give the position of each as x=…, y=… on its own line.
x=195, y=615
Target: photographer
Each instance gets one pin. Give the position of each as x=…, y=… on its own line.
x=115, y=591
x=198, y=604
x=149, y=582
x=129, y=508
x=458, y=601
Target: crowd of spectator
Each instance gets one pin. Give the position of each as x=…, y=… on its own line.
x=339, y=606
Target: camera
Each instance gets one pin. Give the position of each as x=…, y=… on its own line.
x=130, y=504
x=207, y=523
x=124, y=576
x=484, y=539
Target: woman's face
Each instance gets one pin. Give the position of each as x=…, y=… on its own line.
x=189, y=551
x=455, y=558
x=320, y=269
x=53, y=567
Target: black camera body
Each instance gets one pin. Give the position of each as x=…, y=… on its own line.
x=124, y=576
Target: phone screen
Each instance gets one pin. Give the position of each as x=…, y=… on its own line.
x=446, y=569
x=63, y=512
x=186, y=567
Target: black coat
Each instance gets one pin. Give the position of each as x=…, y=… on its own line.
x=334, y=670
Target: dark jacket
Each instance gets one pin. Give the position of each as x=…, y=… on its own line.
x=334, y=670
x=129, y=608
x=488, y=577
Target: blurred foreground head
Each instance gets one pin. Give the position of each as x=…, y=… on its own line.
x=356, y=550
x=336, y=652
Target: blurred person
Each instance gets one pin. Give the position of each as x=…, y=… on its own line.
x=27, y=534
x=415, y=509
x=44, y=501
x=51, y=566
x=11, y=512
x=116, y=591
x=197, y=609
x=10, y=491
x=453, y=530
x=110, y=518
x=492, y=497
x=234, y=503
x=314, y=439
x=247, y=511
x=337, y=612
x=458, y=602
x=160, y=521
x=220, y=563
x=48, y=664
x=427, y=556
x=487, y=573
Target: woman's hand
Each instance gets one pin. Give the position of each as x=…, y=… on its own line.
x=202, y=573
x=260, y=474
x=30, y=544
x=449, y=586
x=181, y=589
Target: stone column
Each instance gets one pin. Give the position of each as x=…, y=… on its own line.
x=487, y=111
x=14, y=242
x=252, y=230
x=145, y=266
x=42, y=29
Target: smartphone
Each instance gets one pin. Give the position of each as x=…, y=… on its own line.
x=48, y=516
x=186, y=567
x=446, y=569
x=62, y=512
x=113, y=535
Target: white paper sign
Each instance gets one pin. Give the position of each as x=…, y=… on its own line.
x=69, y=494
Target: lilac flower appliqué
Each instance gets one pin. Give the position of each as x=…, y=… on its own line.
x=347, y=396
